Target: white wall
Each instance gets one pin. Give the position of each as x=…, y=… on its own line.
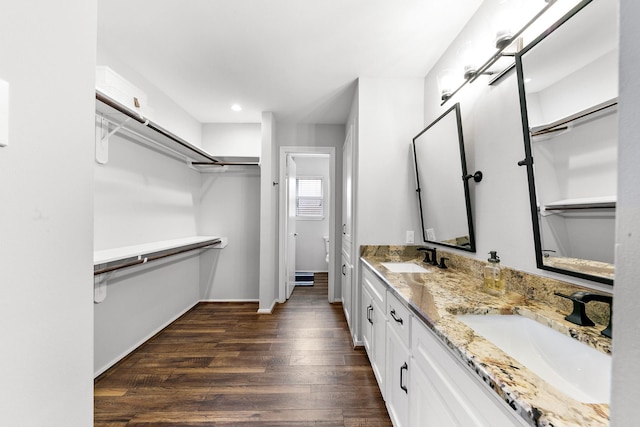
x=492, y=131
x=390, y=115
x=268, y=215
x=46, y=312
x=142, y=196
x=232, y=139
x=230, y=207
x=310, y=251
x=321, y=135
x=626, y=336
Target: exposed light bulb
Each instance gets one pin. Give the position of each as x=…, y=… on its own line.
x=446, y=83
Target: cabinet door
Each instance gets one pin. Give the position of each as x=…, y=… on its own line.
x=378, y=344
x=367, y=323
x=444, y=392
x=346, y=291
x=397, y=379
x=428, y=405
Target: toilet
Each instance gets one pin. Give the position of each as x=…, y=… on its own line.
x=326, y=248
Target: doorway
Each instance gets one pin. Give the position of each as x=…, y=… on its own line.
x=289, y=234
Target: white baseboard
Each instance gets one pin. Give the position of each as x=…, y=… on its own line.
x=268, y=310
x=229, y=300
x=142, y=341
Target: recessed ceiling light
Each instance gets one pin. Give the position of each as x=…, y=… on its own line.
x=236, y=107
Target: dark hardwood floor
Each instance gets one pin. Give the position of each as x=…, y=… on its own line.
x=222, y=364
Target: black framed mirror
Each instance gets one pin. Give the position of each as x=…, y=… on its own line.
x=443, y=183
x=568, y=85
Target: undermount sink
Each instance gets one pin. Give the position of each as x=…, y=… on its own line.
x=574, y=368
x=404, y=267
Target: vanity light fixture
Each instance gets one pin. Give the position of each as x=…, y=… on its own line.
x=509, y=15
x=446, y=83
x=236, y=107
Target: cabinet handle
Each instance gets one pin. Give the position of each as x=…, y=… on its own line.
x=344, y=229
x=395, y=317
x=404, y=367
x=369, y=310
x=343, y=270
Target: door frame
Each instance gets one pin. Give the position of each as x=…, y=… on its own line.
x=282, y=213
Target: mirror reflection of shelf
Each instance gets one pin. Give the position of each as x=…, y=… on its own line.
x=565, y=123
x=585, y=203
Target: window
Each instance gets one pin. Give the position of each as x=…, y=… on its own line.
x=309, y=198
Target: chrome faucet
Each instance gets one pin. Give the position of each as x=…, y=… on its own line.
x=579, y=315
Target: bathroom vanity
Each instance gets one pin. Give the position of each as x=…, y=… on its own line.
x=434, y=369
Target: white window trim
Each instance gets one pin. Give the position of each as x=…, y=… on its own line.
x=323, y=199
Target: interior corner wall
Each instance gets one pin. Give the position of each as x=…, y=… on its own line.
x=230, y=207
x=626, y=336
x=46, y=272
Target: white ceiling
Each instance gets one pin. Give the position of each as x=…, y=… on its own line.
x=296, y=58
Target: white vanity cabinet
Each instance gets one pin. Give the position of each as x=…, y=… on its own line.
x=422, y=381
x=374, y=324
x=444, y=393
x=398, y=361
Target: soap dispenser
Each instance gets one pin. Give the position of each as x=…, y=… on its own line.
x=493, y=282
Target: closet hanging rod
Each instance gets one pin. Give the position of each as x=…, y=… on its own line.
x=225, y=163
x=145, y=122
x=144, y=259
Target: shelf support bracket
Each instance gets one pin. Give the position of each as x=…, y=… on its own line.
x=100, y=288
x=102, y=139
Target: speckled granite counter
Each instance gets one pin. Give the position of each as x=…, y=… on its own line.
x=436, y=297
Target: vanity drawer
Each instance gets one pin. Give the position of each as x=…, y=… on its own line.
x=398, y=317
x=377, y=287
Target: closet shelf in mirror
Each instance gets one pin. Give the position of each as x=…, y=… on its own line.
x=115, y=117
x=579, y=117
x=604, y=202
x=107, y=260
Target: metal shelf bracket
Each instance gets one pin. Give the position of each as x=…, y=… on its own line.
x=102, y=138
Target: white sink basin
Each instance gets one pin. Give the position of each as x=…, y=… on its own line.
x=404, y=267
x=574, y=368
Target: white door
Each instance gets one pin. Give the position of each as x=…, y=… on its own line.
x=291, y=225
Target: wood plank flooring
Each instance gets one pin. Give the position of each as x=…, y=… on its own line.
x=222, y=364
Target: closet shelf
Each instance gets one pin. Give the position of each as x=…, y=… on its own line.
x=108, y=260
x=124, y=119
x=579, y=117
x=605, y=202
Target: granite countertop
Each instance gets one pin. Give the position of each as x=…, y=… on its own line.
x=437, y=297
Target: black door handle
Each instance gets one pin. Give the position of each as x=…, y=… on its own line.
x=404, y=367
x=395, y=317
x=369, y=311
x=343, y=270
